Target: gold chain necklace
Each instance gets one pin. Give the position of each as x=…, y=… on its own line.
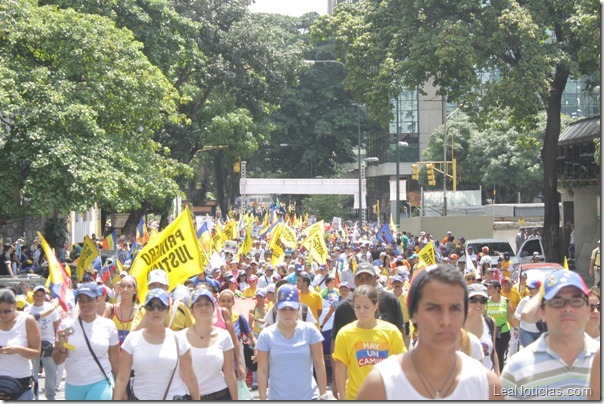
x=426, y=382
x=200, y=337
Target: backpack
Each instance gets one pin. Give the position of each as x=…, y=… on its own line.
x=490, y=322
x=304, y=312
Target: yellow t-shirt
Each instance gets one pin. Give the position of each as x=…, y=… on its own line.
x=249, y=292
x=314, y=302
x=402, y=299
x=360, y=349
x=182, y=318
x=514, y=298
x=521, y=289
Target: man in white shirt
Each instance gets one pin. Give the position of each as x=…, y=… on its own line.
x=48, y=328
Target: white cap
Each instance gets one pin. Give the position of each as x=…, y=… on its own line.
x=270, y=288
x=159, y=276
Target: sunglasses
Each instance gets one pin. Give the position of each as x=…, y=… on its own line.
x=594, y=307
x=152, y=307
x=481, y=300
x=558, y=302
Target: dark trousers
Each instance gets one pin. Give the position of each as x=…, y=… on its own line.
x=501, y=346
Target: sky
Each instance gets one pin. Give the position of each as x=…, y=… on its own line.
x=294, y=8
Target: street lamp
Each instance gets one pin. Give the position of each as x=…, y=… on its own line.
x=445, y=119
x=312, y=62
x=398, y=172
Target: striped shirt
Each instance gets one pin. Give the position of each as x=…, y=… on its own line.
x=538, y=373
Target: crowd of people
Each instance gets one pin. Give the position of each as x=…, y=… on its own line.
x=374, y=321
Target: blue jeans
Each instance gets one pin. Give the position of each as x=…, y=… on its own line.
x=50, y=376
x=526, y=337
x=27, y=395
x=101, y=390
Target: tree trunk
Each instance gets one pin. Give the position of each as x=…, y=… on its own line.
x=220, y=184
x=132, y=222
x=551, y=198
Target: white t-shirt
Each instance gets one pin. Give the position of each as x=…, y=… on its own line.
x=80, y=366
x=15, y=365
x=46, y=324
x=153, y=365
x=208, y=362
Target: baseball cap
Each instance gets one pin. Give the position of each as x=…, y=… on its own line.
x=477, y=289
x=20, y=301
x=39, y=287
x=260, y=292
x=345, y=285
x=288, y=297
x=534, y=284
x=160, y=294
x=561, y=278
x=304, y=275
x=199, y=293
x=454, y=256
x=506, y=279
x=159, y=276
x=397, y=278
x=252, y=278
x=89, y=289
x=365, y=268
x=270, y=288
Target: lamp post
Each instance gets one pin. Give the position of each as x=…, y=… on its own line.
x=398, y=175
x=312, y=62
x=446, y=129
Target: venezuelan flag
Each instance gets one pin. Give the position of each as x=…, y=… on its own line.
x=58, y=279
x=110, y=241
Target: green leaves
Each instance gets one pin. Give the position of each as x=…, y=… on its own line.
x=81, y=102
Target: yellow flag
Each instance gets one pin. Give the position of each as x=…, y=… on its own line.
x=175, y=250
x=288, y=236
x=315, y=244
x=230, y=230
x=205, y=260
x=246, y=246
x=566, y=264
x=153, y=234
x=393, y=229
x=276, y=245
x=426, y=254
x=218, y=239
x=317, y=226
x=88, y=254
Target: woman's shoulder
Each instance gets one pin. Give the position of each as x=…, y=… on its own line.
x=386, y=326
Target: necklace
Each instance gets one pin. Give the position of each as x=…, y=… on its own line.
x=440, y=393
x=202, y=337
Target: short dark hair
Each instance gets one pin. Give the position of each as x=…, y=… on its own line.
x=443, y=273
x=366, y=290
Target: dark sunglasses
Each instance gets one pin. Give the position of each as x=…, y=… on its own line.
x=481, y=300
x=152, y=307
x=594, y=307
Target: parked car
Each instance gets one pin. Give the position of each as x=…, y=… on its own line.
x=535, y=271
x=500, y=246
x=7, y=281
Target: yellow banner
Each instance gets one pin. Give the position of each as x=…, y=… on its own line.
x=218, y=239
x=246, y=246
x=88, y=254
x=175, y=250
x=205, y=260
x=317, y=226
x=426, y=254
x=288, y=236
x=276, y=245
x=230, y=230
x=315, y=244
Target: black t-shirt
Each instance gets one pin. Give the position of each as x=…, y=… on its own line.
x=3, y=269
x=389, y=310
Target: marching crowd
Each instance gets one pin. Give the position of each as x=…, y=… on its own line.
x=374, y=320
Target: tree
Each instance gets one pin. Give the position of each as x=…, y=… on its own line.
x=79, y=104
x=231, y=69
x=515, y=54
x=327, y=206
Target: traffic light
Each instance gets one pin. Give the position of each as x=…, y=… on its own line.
x=430, y=174
x=414, y=172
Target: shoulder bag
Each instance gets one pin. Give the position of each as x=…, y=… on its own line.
x=96, y=360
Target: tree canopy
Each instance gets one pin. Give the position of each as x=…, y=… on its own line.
x=79, y=104
x=486, y=56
